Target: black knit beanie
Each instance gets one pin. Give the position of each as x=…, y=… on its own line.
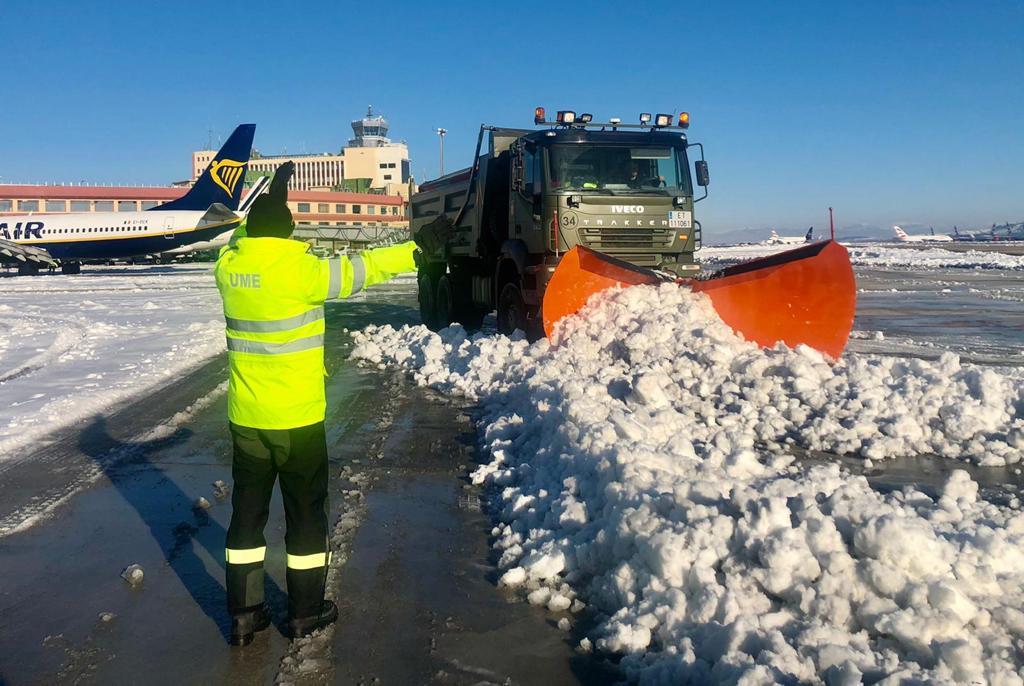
x=269, y=216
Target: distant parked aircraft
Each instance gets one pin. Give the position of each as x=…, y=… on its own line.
x=205, y=213
x=776, y=239
x=903, y=237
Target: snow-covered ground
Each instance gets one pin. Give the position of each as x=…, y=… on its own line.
x=881, y=256
x=73, y=346
x=644, y=466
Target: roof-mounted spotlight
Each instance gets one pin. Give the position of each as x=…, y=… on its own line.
x=538, y=115
x=586, y=118
x=566, y=117
x=645, y=118
x=615, y=120
x=663, y=120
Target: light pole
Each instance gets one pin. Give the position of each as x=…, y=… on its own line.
x=440, y=135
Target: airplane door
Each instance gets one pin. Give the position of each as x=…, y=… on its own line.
x=169, y=228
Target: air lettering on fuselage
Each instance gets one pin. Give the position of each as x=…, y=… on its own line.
x=21, y=230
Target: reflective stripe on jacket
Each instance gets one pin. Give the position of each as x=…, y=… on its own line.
x=273, y=290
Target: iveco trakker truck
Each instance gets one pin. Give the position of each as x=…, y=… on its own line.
x=624, y=190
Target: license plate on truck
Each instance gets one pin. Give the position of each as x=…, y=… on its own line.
x=680, y=219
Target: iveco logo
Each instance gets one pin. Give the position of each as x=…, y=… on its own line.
x=627, y=209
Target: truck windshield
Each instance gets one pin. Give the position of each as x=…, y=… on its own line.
x=618, y=168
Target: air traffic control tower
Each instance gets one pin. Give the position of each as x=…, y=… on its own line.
x=370, y=154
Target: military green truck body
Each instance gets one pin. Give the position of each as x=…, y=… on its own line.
x=534, y=194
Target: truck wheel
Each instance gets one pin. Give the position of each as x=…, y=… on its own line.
x=455, y=302
x=511, y=310
x=70, y=268
x=445, y=306
x=426, y=281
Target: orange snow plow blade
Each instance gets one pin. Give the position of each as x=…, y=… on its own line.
x=803, y=296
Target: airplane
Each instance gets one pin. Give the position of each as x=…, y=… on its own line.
x=776, y=239
x=205, y=213
x=223, y=239
x=904, y=237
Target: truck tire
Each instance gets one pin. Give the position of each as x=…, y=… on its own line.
x=427, y=282
x=444, y=305
x=511, y=309
x=455, y=302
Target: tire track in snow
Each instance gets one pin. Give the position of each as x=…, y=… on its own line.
x=69, y=335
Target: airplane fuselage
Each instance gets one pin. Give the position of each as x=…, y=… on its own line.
x=102, y=235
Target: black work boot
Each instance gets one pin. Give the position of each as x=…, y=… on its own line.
x=244, y=625
x=304, y=626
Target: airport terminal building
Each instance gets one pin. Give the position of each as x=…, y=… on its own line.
x=369, y=162
x=310, y=208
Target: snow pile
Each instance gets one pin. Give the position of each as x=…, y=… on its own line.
x=641, y=467
x=880, y=256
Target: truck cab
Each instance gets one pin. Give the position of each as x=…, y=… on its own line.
x=626, y=191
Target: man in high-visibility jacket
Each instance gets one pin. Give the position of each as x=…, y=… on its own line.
x=273, y=289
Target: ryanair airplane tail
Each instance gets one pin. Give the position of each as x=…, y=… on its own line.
x=223, y=180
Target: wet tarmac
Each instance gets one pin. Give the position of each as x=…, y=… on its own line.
x=412, y=573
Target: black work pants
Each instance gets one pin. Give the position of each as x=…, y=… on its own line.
x=299, y=457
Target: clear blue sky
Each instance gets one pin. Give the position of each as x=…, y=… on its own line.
x=890, y=111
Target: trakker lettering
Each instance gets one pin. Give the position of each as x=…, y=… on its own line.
x=628, y=209
x=20, y=232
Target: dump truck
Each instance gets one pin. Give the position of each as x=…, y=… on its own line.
x=545, y=219
x=532, y=195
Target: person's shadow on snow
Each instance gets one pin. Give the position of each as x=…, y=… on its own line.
x=161, y=508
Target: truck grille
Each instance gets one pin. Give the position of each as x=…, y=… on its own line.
x=609, y=239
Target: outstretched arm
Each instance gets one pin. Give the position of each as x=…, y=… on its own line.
x=342, y=277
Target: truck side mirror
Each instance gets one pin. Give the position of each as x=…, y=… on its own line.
x=701, y=167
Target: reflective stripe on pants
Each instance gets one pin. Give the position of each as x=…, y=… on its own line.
x=245, y=556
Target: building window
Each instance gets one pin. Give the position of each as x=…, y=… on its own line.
x=391, y=165
x=80, y=206
x=127, y=206
x=387, y=177
x=56, y=205
x=323, y=208
x=104, y=205
x=339, y=209
x=394, y=211
x=323, y=223
x=371, y=209
x=303, y=207
x=28, y=205
x=149, y=204
x=383, y=166
x=5, y=205
x=357, y=209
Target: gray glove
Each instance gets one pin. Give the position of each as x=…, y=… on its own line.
x=433, y=236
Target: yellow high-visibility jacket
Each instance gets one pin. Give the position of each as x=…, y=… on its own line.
x=273, y=291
